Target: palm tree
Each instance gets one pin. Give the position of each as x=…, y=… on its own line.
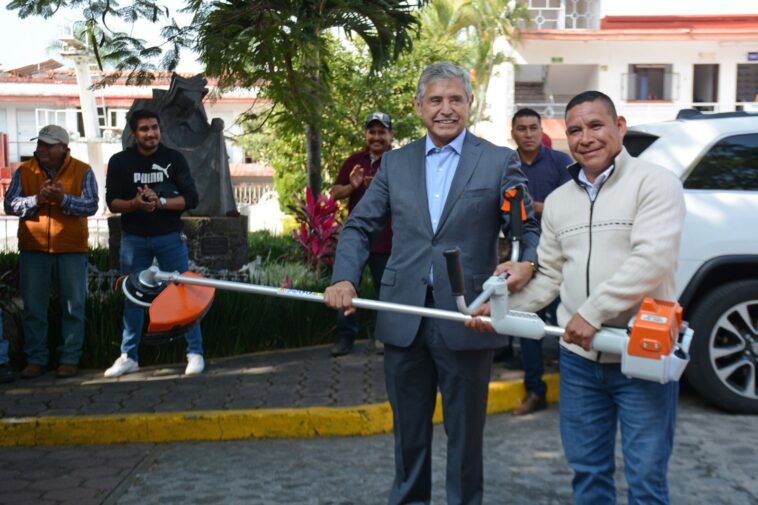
x=480, y=23
x=277, y=45
x=488, y=20
x=280, y=45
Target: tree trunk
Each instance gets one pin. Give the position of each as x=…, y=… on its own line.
x=313, y=158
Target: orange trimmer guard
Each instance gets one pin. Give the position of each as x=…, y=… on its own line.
x=178, y=308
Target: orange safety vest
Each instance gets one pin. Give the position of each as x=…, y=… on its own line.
x=50, y=230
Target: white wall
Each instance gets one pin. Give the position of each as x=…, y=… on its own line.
x=529, y=73
x=19, y=144
x=570, y=80
x=612, y=60
x=677, y=7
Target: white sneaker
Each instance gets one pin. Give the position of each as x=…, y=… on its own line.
x=195, y=364
x=124, y=364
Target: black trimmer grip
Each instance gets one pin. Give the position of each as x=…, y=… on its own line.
x=455, y=271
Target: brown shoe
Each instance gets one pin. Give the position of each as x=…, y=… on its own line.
x=66, y=370
x=32, y=371
x=531, y=403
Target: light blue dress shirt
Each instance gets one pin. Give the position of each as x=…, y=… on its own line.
x=441, y=163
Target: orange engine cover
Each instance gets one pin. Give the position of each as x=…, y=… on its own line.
x=655, y=329
x=179, y=306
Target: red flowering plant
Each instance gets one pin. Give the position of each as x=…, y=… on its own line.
x=317, y=233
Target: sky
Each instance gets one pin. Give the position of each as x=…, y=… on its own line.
x=28, y=41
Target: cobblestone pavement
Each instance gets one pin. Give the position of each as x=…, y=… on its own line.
x=305, y=377
x=298, y=378
x=524, y=465
x=65, y=475
x=715, y=462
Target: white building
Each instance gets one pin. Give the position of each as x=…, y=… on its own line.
x=45, y=93
x=653, y=58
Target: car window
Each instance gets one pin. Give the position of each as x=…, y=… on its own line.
x=636, y=142
x=732, y=163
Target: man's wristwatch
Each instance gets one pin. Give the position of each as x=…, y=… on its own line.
x=162, y=201
x=535, y=267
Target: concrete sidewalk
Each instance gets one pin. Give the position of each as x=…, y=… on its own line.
x=286, y=394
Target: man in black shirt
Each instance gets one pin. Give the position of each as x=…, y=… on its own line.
x=150, y=185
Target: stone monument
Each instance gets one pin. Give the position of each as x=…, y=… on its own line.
x=216, y=232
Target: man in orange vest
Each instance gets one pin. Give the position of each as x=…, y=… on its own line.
x=52, y=194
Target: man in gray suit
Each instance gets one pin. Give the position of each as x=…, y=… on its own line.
x=442, y=191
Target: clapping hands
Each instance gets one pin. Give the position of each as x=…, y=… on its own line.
x=50, y=192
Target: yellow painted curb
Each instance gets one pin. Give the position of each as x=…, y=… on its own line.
x=231, y=424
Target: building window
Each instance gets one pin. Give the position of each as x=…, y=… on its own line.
x=747, y=82
x=650, y=82
x=564, y=14
x=730, y=164
x=26, y=124
x=117, y=118
x=51, y=116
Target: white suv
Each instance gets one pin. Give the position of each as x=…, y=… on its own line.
x=716, y=157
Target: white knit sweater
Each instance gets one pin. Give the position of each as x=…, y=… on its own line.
x=605, y=257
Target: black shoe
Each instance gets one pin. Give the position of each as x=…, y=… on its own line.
x=531, y=403
x=6, y=374
x=342, y=347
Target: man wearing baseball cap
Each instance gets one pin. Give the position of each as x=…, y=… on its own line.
x=52, y=194
x=352, y=182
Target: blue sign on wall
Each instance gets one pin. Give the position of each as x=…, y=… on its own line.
x=752, y=56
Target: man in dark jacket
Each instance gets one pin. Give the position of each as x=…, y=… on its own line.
x=352, y=182
x=150, y=185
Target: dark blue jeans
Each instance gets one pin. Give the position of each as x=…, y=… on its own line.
x=347, y=327
x=3, y=343
x=67, y=273
x=531, y=355
x=596, y=398
x=137, y=254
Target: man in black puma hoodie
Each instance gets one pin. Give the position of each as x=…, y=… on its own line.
x=150, y=185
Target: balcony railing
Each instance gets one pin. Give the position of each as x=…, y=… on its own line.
x=564, y=14
x=643, y=111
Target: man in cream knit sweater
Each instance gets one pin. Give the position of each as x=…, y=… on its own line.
x=609, y=238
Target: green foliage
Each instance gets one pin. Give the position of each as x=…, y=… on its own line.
x=271, y=248
x=286, y=45
x=8, y=274
x=236, y=323
x=98, y=257
x=480, y=23
x=356, y=92
x=130, y=56
x=319, y=226
x=246, y=43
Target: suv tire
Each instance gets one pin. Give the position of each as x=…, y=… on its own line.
x=724, y=363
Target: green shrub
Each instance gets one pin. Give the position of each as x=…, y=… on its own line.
x=98, y=256
x=269, y=247
x=8, y=261
x=236, y=322
x=8, y=275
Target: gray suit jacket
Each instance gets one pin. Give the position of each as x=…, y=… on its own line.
x=471, y=220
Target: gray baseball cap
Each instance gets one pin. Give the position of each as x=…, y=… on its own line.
x=381, y=117
x=52, y=134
